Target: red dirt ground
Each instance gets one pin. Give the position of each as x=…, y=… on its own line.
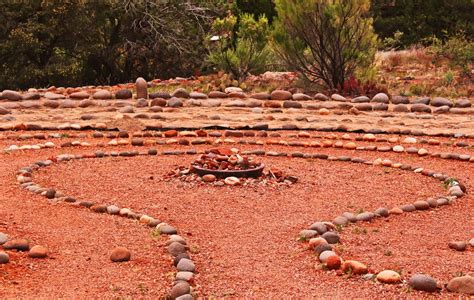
x=243, y=239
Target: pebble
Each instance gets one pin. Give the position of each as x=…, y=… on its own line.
x=463, y=285
x=389, y=276
x=320, y=227
x=3, y=238
x=209, y=178
x=457, y=245
x=113, y=210
x=422, y=282
x=323, y=257
x=179, y=257
x=185, y=276
x=365, y=216
x=186, y=265
x=176, y=248
x=350, y=216
x=120, y=254
x=4, y=258
x=181, y=288
x=421, y=205
x=321, y=248
x=354, y=266
x=331, y=237
x=408, y=207
x=232, y=181
x=340, y=220
x=398, y=149
x=333, y=262
x=315, y=242
x=308, y=234
x=38, y=252
x=17, y=244
x=382, y=211
x=164, y=228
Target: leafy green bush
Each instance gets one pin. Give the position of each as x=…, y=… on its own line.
x=325, y=41
x=240, y=46
x=458, y=48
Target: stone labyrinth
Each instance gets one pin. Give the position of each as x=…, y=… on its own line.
x=358, y=197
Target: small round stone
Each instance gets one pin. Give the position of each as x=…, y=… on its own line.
x=408, y=207
x=355, y=267
x=389, y=276
x=421, y=205
x=120, y=254
x=164, y=228
x=179, y=257
x=331, y=237
x=308, y=234
x=185, y=276
x=382, y=211
x=457, y=245
x=463, y=285
x=365, y=216
x=340, y=220
x=315, y=242
x=3, y=238
x=333, y=262
x=176, y=248
x=350, y=216
x=209, y=178
x=232, y=181
x=422, y=282
x=321, y=248
x=179, y=289
x=323, y=257
x=38, y=252
x=113, y=210
x=4, y=258
x=320, y=227
x=17, y=244
x=186, y=265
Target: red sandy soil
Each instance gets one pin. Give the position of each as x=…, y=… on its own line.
x=243, y=239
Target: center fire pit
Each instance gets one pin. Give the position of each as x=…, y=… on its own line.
x=225, y=162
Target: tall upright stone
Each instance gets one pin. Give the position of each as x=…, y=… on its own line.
x=142, y=88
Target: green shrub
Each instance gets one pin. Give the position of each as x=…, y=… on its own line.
x=325, y=41
x=240, y=46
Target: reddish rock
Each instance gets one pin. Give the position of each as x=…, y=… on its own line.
x=17, y=244
x=170, y=133
x=333, y=262
x=354, y=267
x=38, y=252
x=120, y=254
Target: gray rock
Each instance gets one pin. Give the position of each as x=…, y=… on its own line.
x=365, y=216
x=4, y=111
x=102, y=95
x=301, y=97
x=142, y=102
x=123, y=94
x=323, y=257
x=4, y=258
x=54, y=96
x=350, y=216
x=421, y=205
x=175, y=102
x=400, y=108
x=217, y=94
x=441, y=110
x=142, y=88
x=176, y=248
x=381, y=98
x=292, y=104
x=166, y=229
x=462, y=103
x=340, y=220
x=180, y=93
x=408, y=207
x=425, y=101
x=307, y=234
x=320, y=227
x=321, y=97
x=439, y=101
x=423, y=108
x=113, y=210
x=361, y=99
x=3, y=238
x=11, y=95
x=321, y=248
x=331, y=237
x=162, y=95
x=337, y=97
x=236, y=103
x=382, y=211
x=127, y=110
x=457, y=245
x=463, y=285
x=186, y=265
x=422, y=282
x=197, y=95
x=400, y=100
x=179, y=289
x=185, y=276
